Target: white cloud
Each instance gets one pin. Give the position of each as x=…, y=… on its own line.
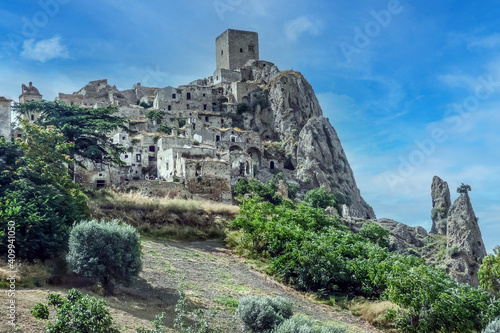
x=300, y=26
x=488, y=42
x=44, y=50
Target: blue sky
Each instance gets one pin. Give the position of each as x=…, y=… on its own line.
x=412, y=88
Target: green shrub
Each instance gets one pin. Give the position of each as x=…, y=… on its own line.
x=318, y=198
x=182, y=122
x=266, y=190
x=454, y=250
x=300, y=324
x=293, y=189
x=489, y=272
x=155, y=115
x=165, y=129
x=263, y=314
x=76, y=313
x=158, y=325
x=377, y=234
x=493, y=327
x=105, y=251
x=315, y=253
x=241, y=107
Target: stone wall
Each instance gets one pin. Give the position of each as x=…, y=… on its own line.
x=157, y=188
x=184, y=98
x=209, y=179
x=5, y=118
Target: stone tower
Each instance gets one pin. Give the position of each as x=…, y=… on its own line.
x=30, y=93
x=5, y=117
x=235, y=47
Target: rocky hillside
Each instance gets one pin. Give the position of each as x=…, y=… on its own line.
x=313, y=151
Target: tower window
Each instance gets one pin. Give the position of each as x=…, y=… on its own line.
x=187, y=106
x=204, y=106
x=241, y=50
x=32, y=117
x=272, y=165
x=138, y=157
x=188, y=95
x=174, y=96
x=206, y=119
x=152, y=148
x=221, y=52
x=169, y=107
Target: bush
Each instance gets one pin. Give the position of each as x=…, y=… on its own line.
x=263, y=314
x=318, y=198
x=377, y=234
x=493, y=327
x=300, y=324
x=105, y=251
x=315, y=253
x=155, y=115
x=76, y=313
x=293, y=189
x=165, y=129
x=266, y=190
x=242, y=107
x=489, y=272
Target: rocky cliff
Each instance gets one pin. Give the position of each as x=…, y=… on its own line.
x=441, y=204
x=312, y=148
x=464, y=242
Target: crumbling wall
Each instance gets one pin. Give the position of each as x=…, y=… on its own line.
x=5, y=117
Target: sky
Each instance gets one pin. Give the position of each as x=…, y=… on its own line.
x=411, y=87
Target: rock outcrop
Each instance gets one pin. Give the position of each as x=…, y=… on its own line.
x=441, y=204
x=464, y=242
x=404, y=236
x=312, y=147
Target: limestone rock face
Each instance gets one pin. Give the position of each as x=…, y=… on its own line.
x=404, y=236
x=464, y=241
x=313, y=149
x=441, y=204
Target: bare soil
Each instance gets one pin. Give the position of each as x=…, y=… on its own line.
x=211, y=274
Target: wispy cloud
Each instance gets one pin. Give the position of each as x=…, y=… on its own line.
x=301, y=25
x=489, y=42
x=44, y=50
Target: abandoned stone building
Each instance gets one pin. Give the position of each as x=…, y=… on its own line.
x=248, y=120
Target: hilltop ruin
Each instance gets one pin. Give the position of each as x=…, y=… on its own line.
x=248, y=120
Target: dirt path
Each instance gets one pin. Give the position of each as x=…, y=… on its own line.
x=212, y=277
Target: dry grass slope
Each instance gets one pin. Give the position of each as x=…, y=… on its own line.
x=163, y=218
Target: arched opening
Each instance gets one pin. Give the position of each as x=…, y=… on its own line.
x=234, y=148
x=254, y=154
x=271, y=165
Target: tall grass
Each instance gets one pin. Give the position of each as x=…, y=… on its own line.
x=163, y=218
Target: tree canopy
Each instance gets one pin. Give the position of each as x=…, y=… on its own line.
x=87, y=129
